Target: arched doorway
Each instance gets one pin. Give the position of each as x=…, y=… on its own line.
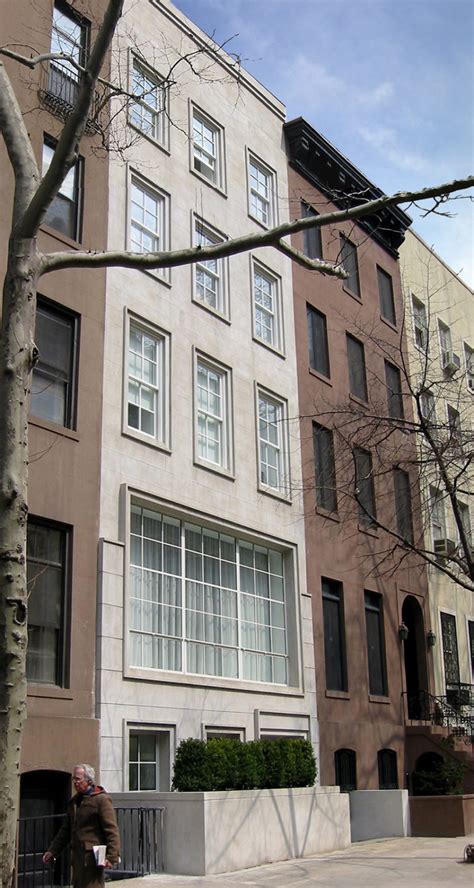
x=43, y=799
x=416, y=672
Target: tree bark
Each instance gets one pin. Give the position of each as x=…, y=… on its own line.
x=17, y=359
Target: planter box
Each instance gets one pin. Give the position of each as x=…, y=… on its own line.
x=442, y=815
x=379, y=813
x=218, y=832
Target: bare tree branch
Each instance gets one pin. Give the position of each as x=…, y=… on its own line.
x=18, y=146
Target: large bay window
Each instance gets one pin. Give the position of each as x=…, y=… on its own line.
x=205, y=602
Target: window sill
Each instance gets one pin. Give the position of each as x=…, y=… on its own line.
x=368, y=530
x=352, y=294
x=261, y=224
x=63, y=238
x=389, y=324
x=51, y=691
x=216, y=470
x=276, y=494
x=53, y=427
x=144, y=439
x=375, y=698
x=320, y=376
x=155, y=274
x=272, y=348
x=325, y=513
x=338, y=695
x=221, y=316
x=205, y=681
x=220, y=190
x=155, y=142
x=359, y=401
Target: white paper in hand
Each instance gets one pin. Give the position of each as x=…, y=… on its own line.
x=99, y=853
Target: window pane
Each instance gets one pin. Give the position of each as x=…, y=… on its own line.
x=46, y=570
x=349, y=261
x=356, y=363
x=394, y=391
x=365, y=491
x=403, y=508
x=375, y=644
x=325, y=467
x=63, y=212
x=334, y=637
x=51, y=391
x=387, y=305
x=311, y=236
x=317, y=341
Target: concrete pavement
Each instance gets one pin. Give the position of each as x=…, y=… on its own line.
x=385, y=863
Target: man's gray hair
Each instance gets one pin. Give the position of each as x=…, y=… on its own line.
x=89, y=772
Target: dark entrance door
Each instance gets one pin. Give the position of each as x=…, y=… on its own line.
x=43, y=799
x=416, y=674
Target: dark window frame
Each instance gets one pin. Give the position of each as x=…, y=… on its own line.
x=47, y=306
x=312, y=240
x=318, y=345
x=375, y=636
x=348, y=258
x=357, y=368
x=403, y=504
x=365, y=487
x=325, y=468
x=74, y=232
x=335, y=658
x=62, y=676
x=61, y=71
x=393, y=383
x=345, y=767
x=386, y=297
x=387, y=768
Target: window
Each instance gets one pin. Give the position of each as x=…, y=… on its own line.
x=403, y=509
x=346, y=769
x=210, y=276
x=388, y=770
x=47, y=558
x=349, y=260
x=207, y=149
x=272, y=443
x=375, y=644
x=69, y=35
x=312, y=246
x=318, y=341
x=267, y=308
x=438, y=521
x=470, y=629
x=450, y=651
x=148, y=111
x=205, y=602
x=54, y=376
x=143, y=762
x=445, y=343
x=454, y=427
x=365, y=491
x=64, y=212
x=465, y=516
x=428, y=407
x=213, y=414
x=387, y=304
x=325, y=467
x=394, y=391
x=261, y=185
x=469, y=358
x=334, y=636
x=147, y=218
x=147, y=383
x=356, y=363
x=420, y=324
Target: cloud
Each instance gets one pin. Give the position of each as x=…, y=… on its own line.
x=385, y=140
x=311, y=84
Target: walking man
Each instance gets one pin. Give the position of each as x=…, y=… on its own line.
x=90, y=821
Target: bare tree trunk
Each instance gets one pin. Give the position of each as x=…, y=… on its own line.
x=17, y=358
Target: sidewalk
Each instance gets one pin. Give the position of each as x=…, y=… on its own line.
x=411, y=863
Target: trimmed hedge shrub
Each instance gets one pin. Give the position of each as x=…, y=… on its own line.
x=224, y=764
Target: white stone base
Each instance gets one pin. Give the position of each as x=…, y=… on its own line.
x=379, y=813
x=218, y=832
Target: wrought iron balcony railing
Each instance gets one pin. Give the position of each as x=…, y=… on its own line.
x=58, y=90
x=424, y=707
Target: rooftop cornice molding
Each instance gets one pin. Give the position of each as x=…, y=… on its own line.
x=336, y=177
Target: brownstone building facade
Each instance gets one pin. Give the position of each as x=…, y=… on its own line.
x=346, y=332
x=65, y=416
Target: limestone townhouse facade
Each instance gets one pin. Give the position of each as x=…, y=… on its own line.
x=204, y=618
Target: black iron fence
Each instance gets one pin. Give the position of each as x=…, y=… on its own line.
x=141, y=834
x=425, y=707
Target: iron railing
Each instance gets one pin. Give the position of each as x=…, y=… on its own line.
x=58, y=89
x=141, y=834
x=425, y=707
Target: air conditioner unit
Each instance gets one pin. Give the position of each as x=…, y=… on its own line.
x=444, y=548
x=451, y=362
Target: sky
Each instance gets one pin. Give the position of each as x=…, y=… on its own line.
x=389, y=82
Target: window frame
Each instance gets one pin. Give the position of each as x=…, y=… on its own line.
x=437, y=514
x=377, y=683
x=328, y=468
x=387, y=763
x=312, y=237
x=222, y=310
x=348, y=249
x=283, y=490
x=46, y=306
x=162, y=437
x=278, y=340
x=272, y=209
x=218, y=181
x=332, y=591
x=420, y=326
x=63, y=647
x=368, y=492
x=324, y=365
x=226, y=442
x=76, y=203
x=394, y=395
x=385, y=288
x=469, y=362
x=345, y=759
x=65, y=74
x=403, y=504
x=162, y=198
x=445, y=342
x=357, y=371
x=160, y=136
